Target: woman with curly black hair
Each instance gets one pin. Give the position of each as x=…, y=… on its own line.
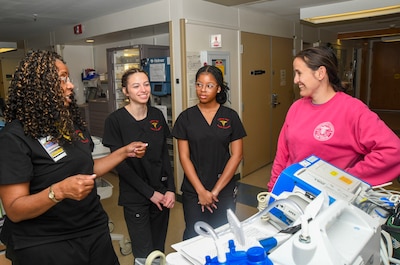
x=47, y=174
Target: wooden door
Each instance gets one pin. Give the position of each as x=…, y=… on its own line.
x=256, y=91
x=282, y=85
x=385, y=76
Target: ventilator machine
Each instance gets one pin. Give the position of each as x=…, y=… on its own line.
x=316, y=214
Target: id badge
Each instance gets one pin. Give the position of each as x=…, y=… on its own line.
x=55, y=151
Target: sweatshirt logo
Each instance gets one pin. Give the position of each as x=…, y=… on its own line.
x=324, y=131
x=155, y=125
x=223, y=123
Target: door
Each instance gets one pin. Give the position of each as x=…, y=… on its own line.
x=282, y=94
x=385, y=76
x=256, y=116
x=267, y=93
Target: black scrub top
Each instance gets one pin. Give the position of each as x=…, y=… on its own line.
x=208, y=144
x=24, y=159
x=140, y=177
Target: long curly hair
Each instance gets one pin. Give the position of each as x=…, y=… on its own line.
x=36, y=99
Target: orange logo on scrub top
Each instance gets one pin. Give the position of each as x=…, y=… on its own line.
x=82, y=136
x=155, y=125
x=223, y=123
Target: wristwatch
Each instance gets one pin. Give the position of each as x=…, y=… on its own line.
x=52, y=196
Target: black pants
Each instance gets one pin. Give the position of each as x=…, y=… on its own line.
x=147, y=227
x=192, y=212
x=93, y=249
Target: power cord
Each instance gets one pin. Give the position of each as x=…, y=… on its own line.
x=386, y=249
x=263, y=199
x=379, y=202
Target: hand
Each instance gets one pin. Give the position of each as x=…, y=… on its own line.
x=157, y=199
x=215, y=195
x=75, y=187
x=136, y=149
x=169, y=199
x=206, y=201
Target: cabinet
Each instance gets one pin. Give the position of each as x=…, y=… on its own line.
x=98, y=112
x=123, y=58
x=84, y=109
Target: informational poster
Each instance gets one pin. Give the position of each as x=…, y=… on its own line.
x=220, y=63
x=157, y=72
x=193, y=65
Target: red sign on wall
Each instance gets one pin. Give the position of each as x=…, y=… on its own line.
x=78, y=29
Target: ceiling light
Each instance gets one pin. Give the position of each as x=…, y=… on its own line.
x=349, y=10
x=8, y=46
x=391, y=38
x=89, y=41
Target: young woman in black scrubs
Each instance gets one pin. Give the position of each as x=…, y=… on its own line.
x=147, y=187
x=210, y=149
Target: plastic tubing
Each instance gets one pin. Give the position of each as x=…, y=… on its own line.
x=263, y=212
x=203, y=228
x=269, y=207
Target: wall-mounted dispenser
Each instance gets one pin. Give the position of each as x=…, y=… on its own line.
x=159, y=75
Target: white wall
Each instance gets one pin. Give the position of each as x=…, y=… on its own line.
x=77, y=58
x=255, y=22
x=150, y=14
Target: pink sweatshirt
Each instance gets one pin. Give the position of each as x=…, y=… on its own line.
x=343, y=132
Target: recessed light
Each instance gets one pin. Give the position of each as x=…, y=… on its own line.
x=8, y=46
x=89, y=41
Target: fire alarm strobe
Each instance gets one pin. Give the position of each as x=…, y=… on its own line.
x=78, y=29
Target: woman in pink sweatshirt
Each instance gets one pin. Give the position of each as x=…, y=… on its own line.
x=334, y=126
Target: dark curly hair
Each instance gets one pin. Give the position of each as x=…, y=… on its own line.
x=222, y=96
x=35, y=98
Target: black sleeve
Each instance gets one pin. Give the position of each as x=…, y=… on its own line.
x=112, y=139
x=238, y=128
x=165, y=164
x=179, y=130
